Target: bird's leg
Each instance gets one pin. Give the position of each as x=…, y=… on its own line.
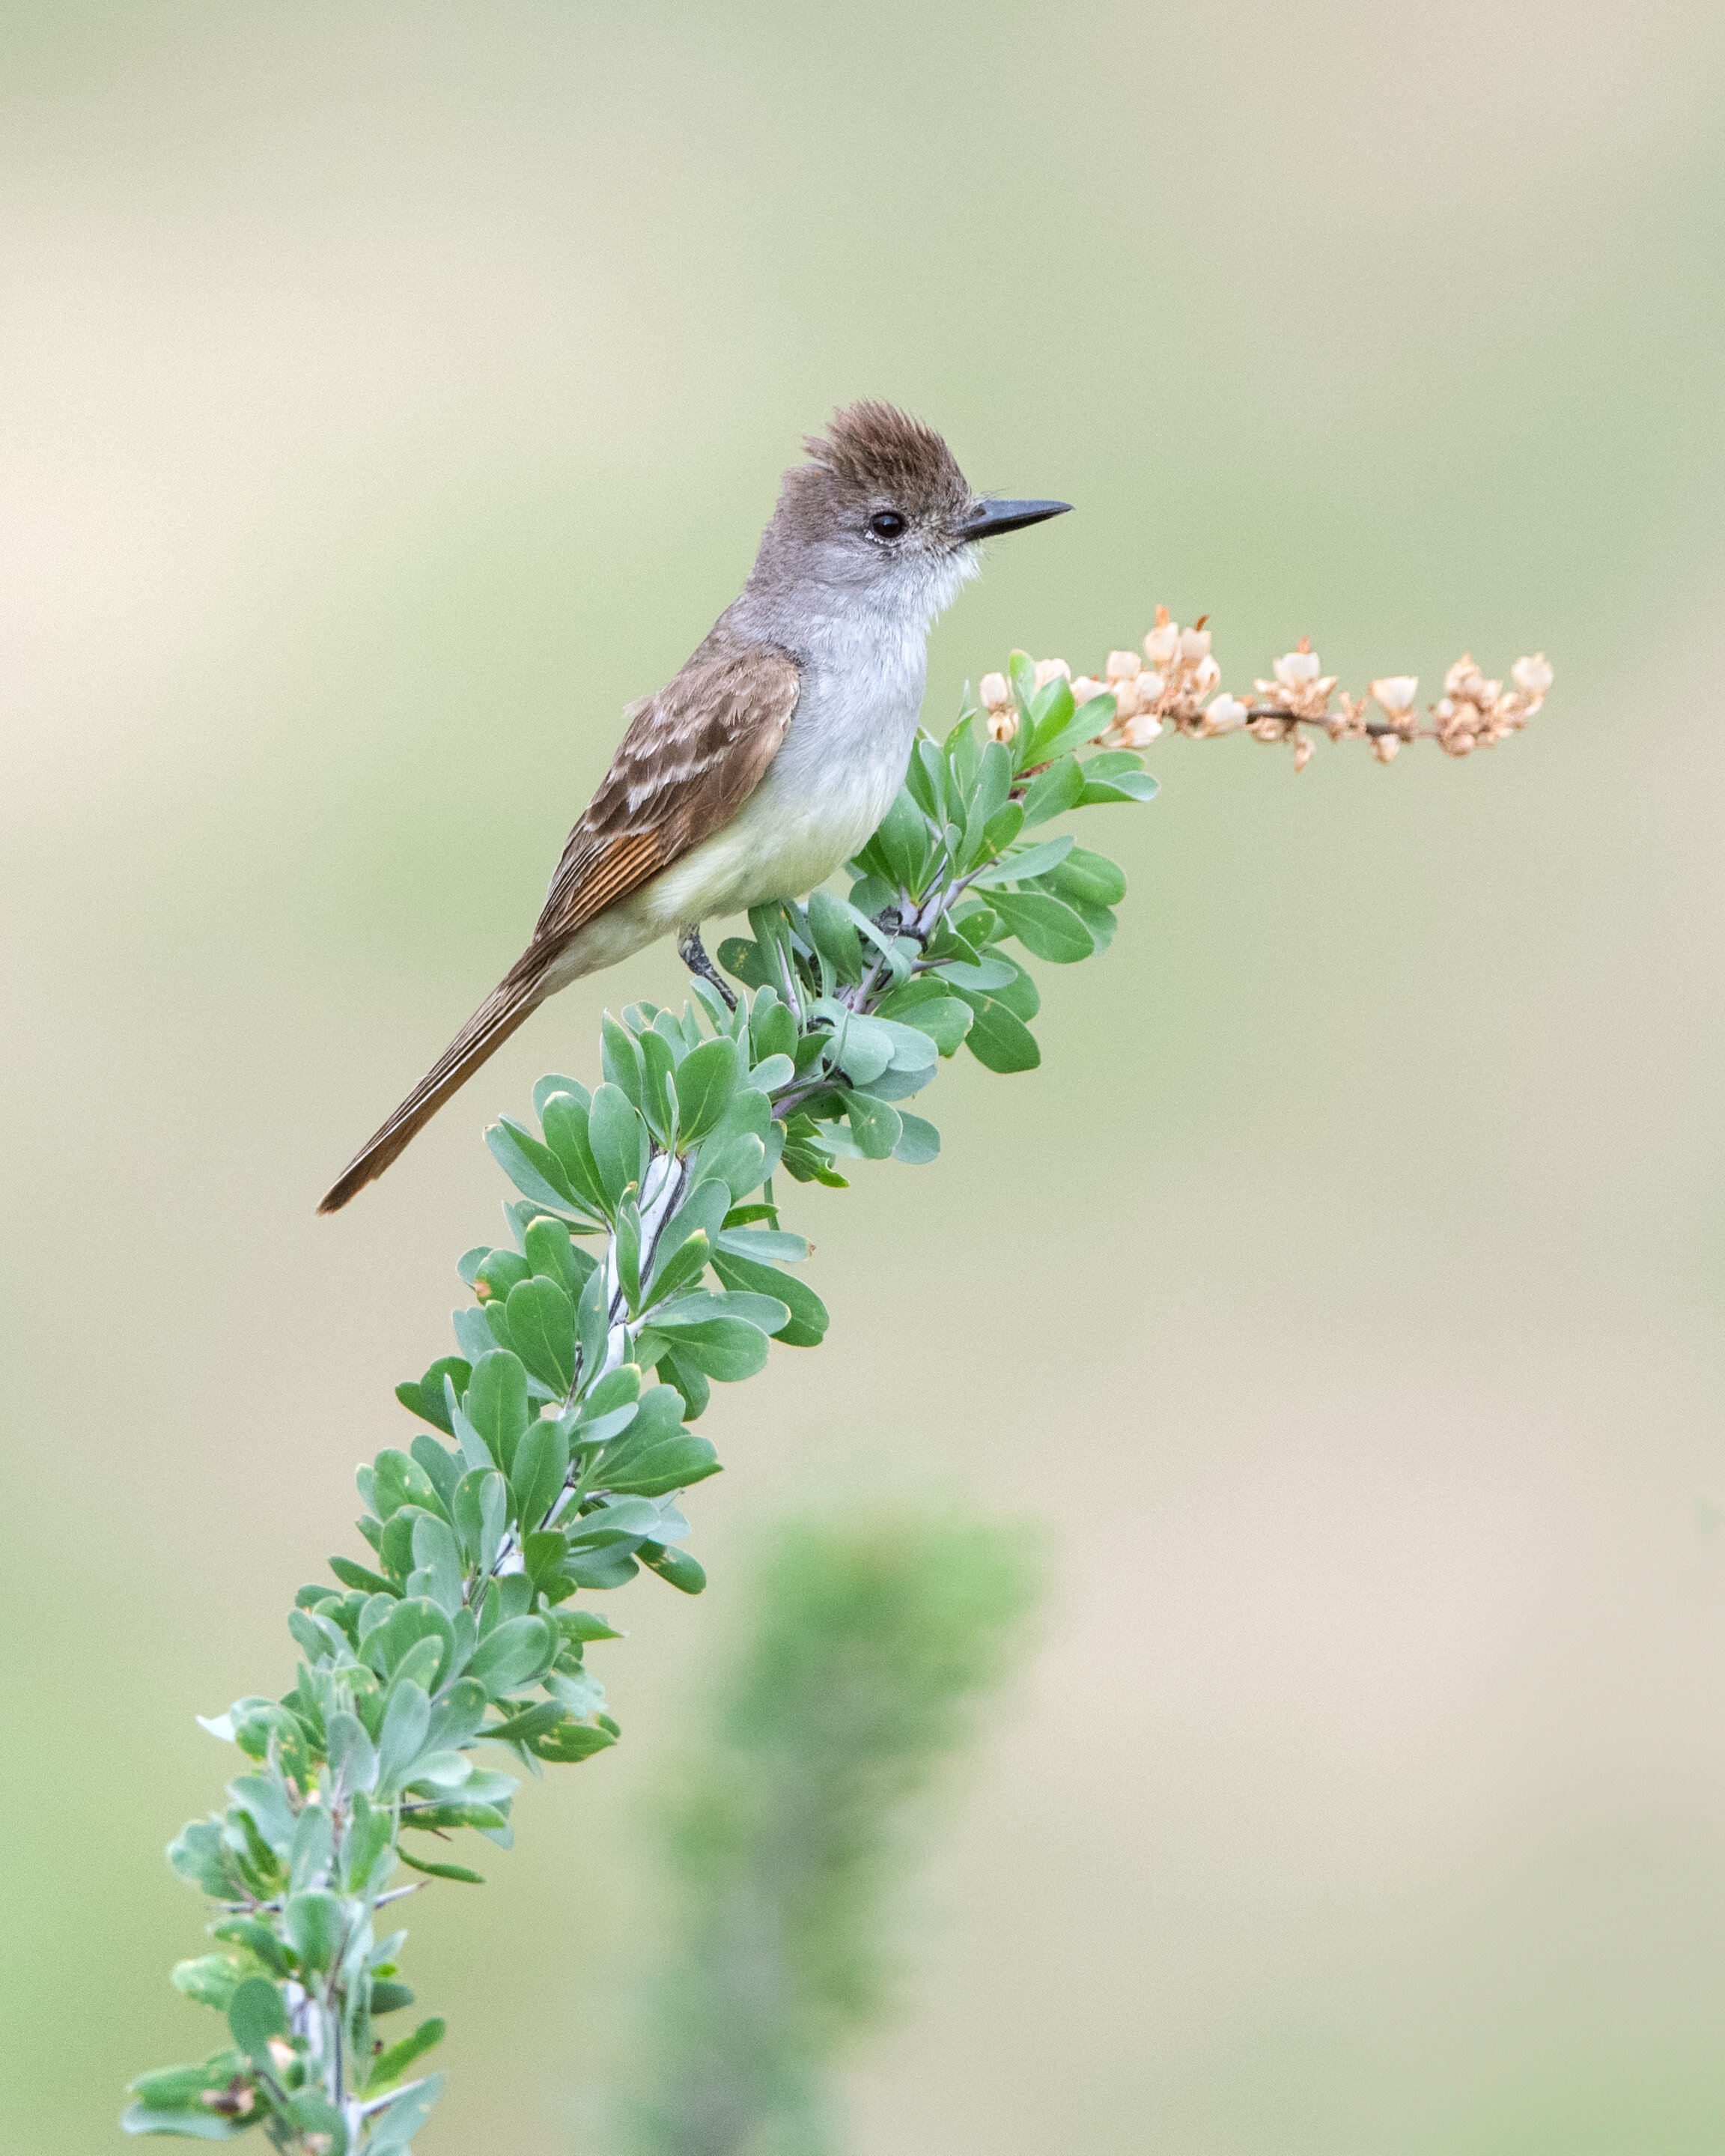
x=694, y=954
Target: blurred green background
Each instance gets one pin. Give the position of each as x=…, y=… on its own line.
x=387, y=395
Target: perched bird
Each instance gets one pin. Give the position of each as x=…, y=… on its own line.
x=775, y=753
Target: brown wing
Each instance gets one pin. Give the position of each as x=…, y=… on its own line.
x=691, y=757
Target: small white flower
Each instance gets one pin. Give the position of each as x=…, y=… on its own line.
x=1050, y=669
x=1149, y=686
x=1532, y=676
x=1223, y=714
x=1463, y=678
x=1141, y=729
x=1193, y=645
x=1123, y=665
x=1294, y=669
x=1162, y=645
x=994, y=692
x=1396, y=693
x=1207, y=676
x=1085, y=687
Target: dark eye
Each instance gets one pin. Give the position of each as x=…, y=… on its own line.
x=886, y=524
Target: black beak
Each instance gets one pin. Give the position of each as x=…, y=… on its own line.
x=993, y=517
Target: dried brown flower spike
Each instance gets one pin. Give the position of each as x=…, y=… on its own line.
x=1170, y=685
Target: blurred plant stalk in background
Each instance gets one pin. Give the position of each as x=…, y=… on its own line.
x=872, y=1651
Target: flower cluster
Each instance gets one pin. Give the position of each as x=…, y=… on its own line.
x=1177, y=684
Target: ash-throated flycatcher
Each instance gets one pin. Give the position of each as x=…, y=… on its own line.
x=776, y=751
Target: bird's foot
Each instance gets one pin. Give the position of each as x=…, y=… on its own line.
x=694, y=954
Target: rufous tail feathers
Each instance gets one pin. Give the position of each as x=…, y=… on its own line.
x=514, y=997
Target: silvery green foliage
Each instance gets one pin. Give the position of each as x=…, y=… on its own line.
x=645, y=1263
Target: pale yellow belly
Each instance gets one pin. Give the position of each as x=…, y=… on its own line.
x=773, y=848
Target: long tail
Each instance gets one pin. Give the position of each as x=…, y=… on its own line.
x=514, y=997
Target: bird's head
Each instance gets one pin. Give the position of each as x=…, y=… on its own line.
x=881, y=510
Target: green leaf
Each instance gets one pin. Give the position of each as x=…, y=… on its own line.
x=357, y=1576
x=620, y=1058
x=571, y=1743
x=433, y=1817
x=315, y=1928
x=456, y=1717
x=398, y=1481
x=1084, y=878
x=553, y=1083
x=457, y=1872
x=998, y=1038
x=390, y=2065
x=213, y=1978
x=1029, y=861
x=591, y=1321
x=905, y=842
x=396, y=2127
x=944, y=1018
x=658, y=1091
x=727, y=1348
x=388, y=1646
x=541, y=1463
x=1121, y=786
x=541, y=1315
x=1099, y=919
x=551, y=1254
x=199, y=2125
x=496, y=1405
x=406, y=1721
x=353, y=1758
x=1020, y=995
x=767, y=1311
x=512, y=1655
x=199, y=1855
x=707, y=1078
x=1051, y=711
x=985, y=976
x=919, y=1142
x=876, y=1127
x=316, y=2123
x=1047, y=929
x=426, y=1398
x=675, y=1565
x=1061, y=787
x=255, y=2013
x=436, y=1552
x=481, y=1514
x=534, y=1168
x=619, y=1142
x=807, y=1323
x=257, y=1938
x=655, y=1470
x=835, y=937
x=683, y=1266
x=1079, y=728
x=564, y=1118
x=746, y=961
x=531, y=1722
x=499, y=1272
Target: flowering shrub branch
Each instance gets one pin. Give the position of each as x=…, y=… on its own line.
x=1170, y=685
x=554, y=1446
